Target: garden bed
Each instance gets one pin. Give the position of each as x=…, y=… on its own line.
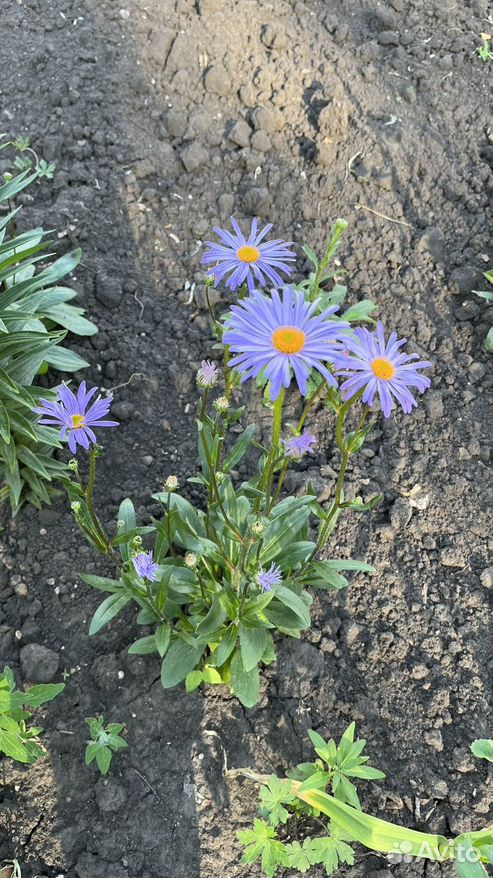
x=163, y=119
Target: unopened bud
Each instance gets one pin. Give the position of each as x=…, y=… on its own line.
x=73, y=465
x=75, y=507
x=220, y=478
x=191, y=560
x=257, y=528
x=221, y=405
x=171, y=484
x=120, y=524
x=137, y=542
x=209, y=280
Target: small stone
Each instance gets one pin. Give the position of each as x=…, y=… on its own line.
x=436, y=787
x=476, y=372
x=240, y=133
x=433, y=403
x=39, y=664
x=452, y=556
x=385, y=179
x=148, y=459
x=401, y=514
x=194, y=157
x=266, y=119
x=432, y=241
x=176, y=122
x=274, y=36
x=487, y=577
x=257, y=201
x=20, y=589
x=465, y=279
x=110, y=795
x=108, y=291
x=217, y=80
x=434, y=739
x=123, y=411
x=419, y=672
x=260, y=141
x=352, y=633
x=388, y=38
x=226, y=203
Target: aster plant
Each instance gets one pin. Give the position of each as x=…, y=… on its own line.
x=216, y=584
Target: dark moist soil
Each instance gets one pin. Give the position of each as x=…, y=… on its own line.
x=163, y=119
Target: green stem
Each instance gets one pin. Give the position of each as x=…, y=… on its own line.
x=168, y=525
x=90, y=504
x=265, y=483
x=213, y=482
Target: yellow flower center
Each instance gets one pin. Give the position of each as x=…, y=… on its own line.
x=248, y=254
x=288, y=339
x=383, y=368
x=77, y=421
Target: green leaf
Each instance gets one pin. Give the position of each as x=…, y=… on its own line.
x=64, y=360
x=261, y=842
x=297, y=856
x=211, y=676
x=11, y=745
x=162, y=638
x=291, y=600
x=103, y=759
x=482, y=748
x=41, y=694
x=71, y=318
x=274, y=796
x=467, y=861
x=193, y=680
x=226, y=645
x=180, y=659
x=143, y=646
x=239, y=449
x=489, y=341
x=127, y=522
x=102, y=583
x=106, y=611
x=328, y=851
x=253, y=642
x=245, y=684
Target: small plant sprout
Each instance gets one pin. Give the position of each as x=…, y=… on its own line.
x=12, y=869
x=217, y=584
x=488, y=296
x=482, y=748
x=314, y=817
x=104, y=742
x=484, y=50
x=18, y=739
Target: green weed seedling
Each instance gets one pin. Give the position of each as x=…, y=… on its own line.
x=18, y=739
x=488, y=296
x=314, y=817
x=105, y=741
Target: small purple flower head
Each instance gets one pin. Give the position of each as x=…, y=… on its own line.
x=207, y=374
x=297, y=446
x=375, y=366
x=248, y=259
x=72, y=415
x=267, y=578
x=282, y=336
x=145, y=565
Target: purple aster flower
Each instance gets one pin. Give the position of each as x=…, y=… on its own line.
x=281, y=336
x=207, y=374
x=248, y=259
x=270, y=577
x=375, y=366
x=145, y=565
x=70, y=413
x=297, y=446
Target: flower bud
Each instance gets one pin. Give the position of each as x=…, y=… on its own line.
x=220, y=478
x=137, y=542
x=120, y=524
x=73, y=465
x=257, y=528
x=191, y=560
x=171, y=484
x=75, y=507
x=207, y=375
x=221, y=405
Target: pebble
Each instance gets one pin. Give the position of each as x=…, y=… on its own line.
x=257, y=201
x=108, y=291
x=388, y=38
x=217, y=80
x=434, y=739
x=194, y=157
x=432, y=241
x=266, y=119
x=240, y=133
x=433, y=403
x=400, y=514
x=452, y=556
x=123, y=411
x=39, y=664
x=274, y=36
x=487, y=577
x=260, y=141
